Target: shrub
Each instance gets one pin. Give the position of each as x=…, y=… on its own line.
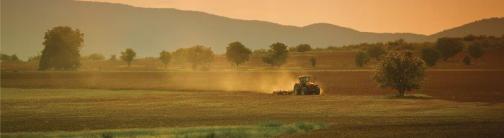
x=449, y=47
x=475, y=51
x=430, y=56
x=361, y=59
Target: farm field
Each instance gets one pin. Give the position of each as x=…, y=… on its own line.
x=28, y=112
x=457, y=85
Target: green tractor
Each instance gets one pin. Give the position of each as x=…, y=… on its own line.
x=305, y=86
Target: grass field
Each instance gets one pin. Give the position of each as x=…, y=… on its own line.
x=60, y=112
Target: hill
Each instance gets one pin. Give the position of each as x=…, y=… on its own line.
x=110, y=28
x=491, y=26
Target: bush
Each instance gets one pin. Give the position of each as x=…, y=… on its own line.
x=277, y=55
x=475, y=51
x=430, y=56
x=449, y=47
x=467, y=60
x=303, y=48
x=401, y=71
x=361, y=59
x=376, y=52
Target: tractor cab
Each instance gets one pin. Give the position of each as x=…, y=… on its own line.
x=305, y=86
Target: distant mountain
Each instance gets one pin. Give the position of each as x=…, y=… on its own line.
x=110, y=28
x=491, y=26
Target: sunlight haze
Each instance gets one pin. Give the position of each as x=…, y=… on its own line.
x=413, y=16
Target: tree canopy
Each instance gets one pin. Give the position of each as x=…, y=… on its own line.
x=401, y=71
x=61, y=49
x=277, y=55
x=128, y=55
x=237, y=53
x=430, y=56
x=361, y=59
x=449, y=47
x=165, y=57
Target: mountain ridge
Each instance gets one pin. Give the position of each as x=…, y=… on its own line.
x=110, y=28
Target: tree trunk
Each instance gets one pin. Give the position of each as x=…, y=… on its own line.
x=401, y=93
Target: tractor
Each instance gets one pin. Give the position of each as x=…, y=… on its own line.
x=305, y=86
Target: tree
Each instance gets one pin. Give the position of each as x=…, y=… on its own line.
x=277, y=55
x=475, y=51
x=376, y=52
x=128, y=55
x=35, y=58
x=113, y=58
x=449, y=47
x=96, y=57
x=401, y=71
x=467, y=60
x=61, y=49
x=200, y=56
x=361, y=59
x=237, y=53
x=303, y=48
x=313, y=62
x=165, y=57
x=430, y=56
x=12, y=58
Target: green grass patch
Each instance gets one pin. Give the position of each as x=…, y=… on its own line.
x=267, y=129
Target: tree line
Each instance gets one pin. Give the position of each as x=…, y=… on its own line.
x=62, y=46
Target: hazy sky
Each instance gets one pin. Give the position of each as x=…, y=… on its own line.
x=416, y=16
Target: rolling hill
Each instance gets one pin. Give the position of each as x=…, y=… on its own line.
x=110, y=28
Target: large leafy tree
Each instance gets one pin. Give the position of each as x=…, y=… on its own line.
x=449, y=47
x=128, y=55
x=401, y=71
x=277, y=55
x=165, y=57
x=61, y=49
x=237, y=53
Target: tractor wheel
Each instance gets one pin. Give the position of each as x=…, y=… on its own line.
x=297, y=89
x=317, y=91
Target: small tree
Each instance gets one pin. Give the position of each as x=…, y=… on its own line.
x=128, y=55
x=401, y=71
x=303, y=48
x=165, y=57
x=96, y=56
x=200, y=56
x=277, y=55
x=361, y=59
x=430, y=56
x=467, y=60
x=475, y=51
x=313, y=62
x=237, y=53
x=376, y=52
x=113, y=58
x=449, y=47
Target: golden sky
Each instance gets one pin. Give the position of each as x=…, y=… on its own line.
x=416, y=16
